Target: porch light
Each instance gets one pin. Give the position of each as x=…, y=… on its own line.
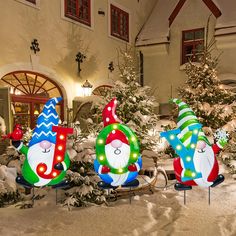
x=36, y=112
x=87, y=88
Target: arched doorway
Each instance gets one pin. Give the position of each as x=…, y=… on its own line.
x=29, y=91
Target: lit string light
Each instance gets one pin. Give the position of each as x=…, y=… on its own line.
x=59, y=152
x=100, y=146
x=185, y=153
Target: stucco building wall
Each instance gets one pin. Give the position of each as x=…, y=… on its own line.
x=60, y=40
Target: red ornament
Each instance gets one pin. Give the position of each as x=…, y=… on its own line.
x=132, y=168
x=105, y=170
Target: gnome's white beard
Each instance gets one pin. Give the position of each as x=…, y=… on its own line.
x=203, y=163
x=118, y=161
x=37, y=155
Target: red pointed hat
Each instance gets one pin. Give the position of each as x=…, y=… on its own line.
x=109, y=117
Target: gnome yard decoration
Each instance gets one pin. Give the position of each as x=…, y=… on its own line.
x=46, y=158
x=196, y=164
x=117, y=152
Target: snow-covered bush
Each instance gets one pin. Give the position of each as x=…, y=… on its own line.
x=8, y=189
x=83, y=179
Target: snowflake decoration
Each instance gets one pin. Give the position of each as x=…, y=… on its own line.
x=221, y=135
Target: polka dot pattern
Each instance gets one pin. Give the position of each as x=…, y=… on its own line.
x=108, y=114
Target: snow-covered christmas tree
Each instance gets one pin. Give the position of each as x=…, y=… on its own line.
x=136, y=105
x=213, y=105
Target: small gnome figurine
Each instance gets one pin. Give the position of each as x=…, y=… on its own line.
x=197, y=163
x=117, y=152
x=41, y=166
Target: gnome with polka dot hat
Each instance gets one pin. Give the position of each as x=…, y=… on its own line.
x=46, y=158
x=117, y=152
x=197, y=163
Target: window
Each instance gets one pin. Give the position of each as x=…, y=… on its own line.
x=119, y=23
x=79, y=10
x=192, y=44
x=32, y=1
x=29, y=91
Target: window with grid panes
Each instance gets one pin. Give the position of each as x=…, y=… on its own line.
x=119, y=23
x=79, y=10
x=192, y=44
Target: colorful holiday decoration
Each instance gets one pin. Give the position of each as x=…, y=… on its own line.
x=46, y=158
x=196, y=164
x=16, y=134
x=117, y=151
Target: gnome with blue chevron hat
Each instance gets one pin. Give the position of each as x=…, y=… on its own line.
x=40, y=167
x=196, y=164
x=47, y=119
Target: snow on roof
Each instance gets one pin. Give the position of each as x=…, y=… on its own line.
x=156, y=29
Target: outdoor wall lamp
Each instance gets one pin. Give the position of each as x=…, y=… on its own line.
x=87, y=88
x=79, y=58
x=35, y=46
x=111, y=66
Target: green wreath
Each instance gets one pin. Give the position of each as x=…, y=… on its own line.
x=101, y=141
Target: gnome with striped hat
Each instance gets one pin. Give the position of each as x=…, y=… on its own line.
x=196, y=164
x=43, y=165
x=117, y=152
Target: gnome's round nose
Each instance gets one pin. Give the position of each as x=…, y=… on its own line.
x=45, y=144
x=116, y=143
x=201, y=144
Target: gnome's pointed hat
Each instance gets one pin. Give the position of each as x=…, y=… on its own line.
x=186, y=119
x=109, y=117
x=46, y=120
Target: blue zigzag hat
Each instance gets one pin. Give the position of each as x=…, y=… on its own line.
x=46, y=120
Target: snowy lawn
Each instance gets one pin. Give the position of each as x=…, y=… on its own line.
x=161, y=213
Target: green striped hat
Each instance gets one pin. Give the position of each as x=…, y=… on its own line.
x=186, y=119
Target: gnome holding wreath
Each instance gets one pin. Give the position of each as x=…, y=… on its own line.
x=118, y=160
x=196, y=163
x=46, y=158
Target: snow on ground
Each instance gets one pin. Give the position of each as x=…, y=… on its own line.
x=200, y=218
x=119, y=218
x=162, y=213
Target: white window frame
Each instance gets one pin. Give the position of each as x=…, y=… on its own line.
x=76, y=22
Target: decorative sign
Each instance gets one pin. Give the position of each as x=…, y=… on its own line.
x=117, y=151
x=196, y=164
x=46, y=158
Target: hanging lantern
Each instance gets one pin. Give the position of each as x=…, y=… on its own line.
x=87, y=88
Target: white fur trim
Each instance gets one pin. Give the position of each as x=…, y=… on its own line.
x=64, y=165
x=218, y=144
x=100, y=169
x=137, y=166
x=21, y=145
x=118, y=179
